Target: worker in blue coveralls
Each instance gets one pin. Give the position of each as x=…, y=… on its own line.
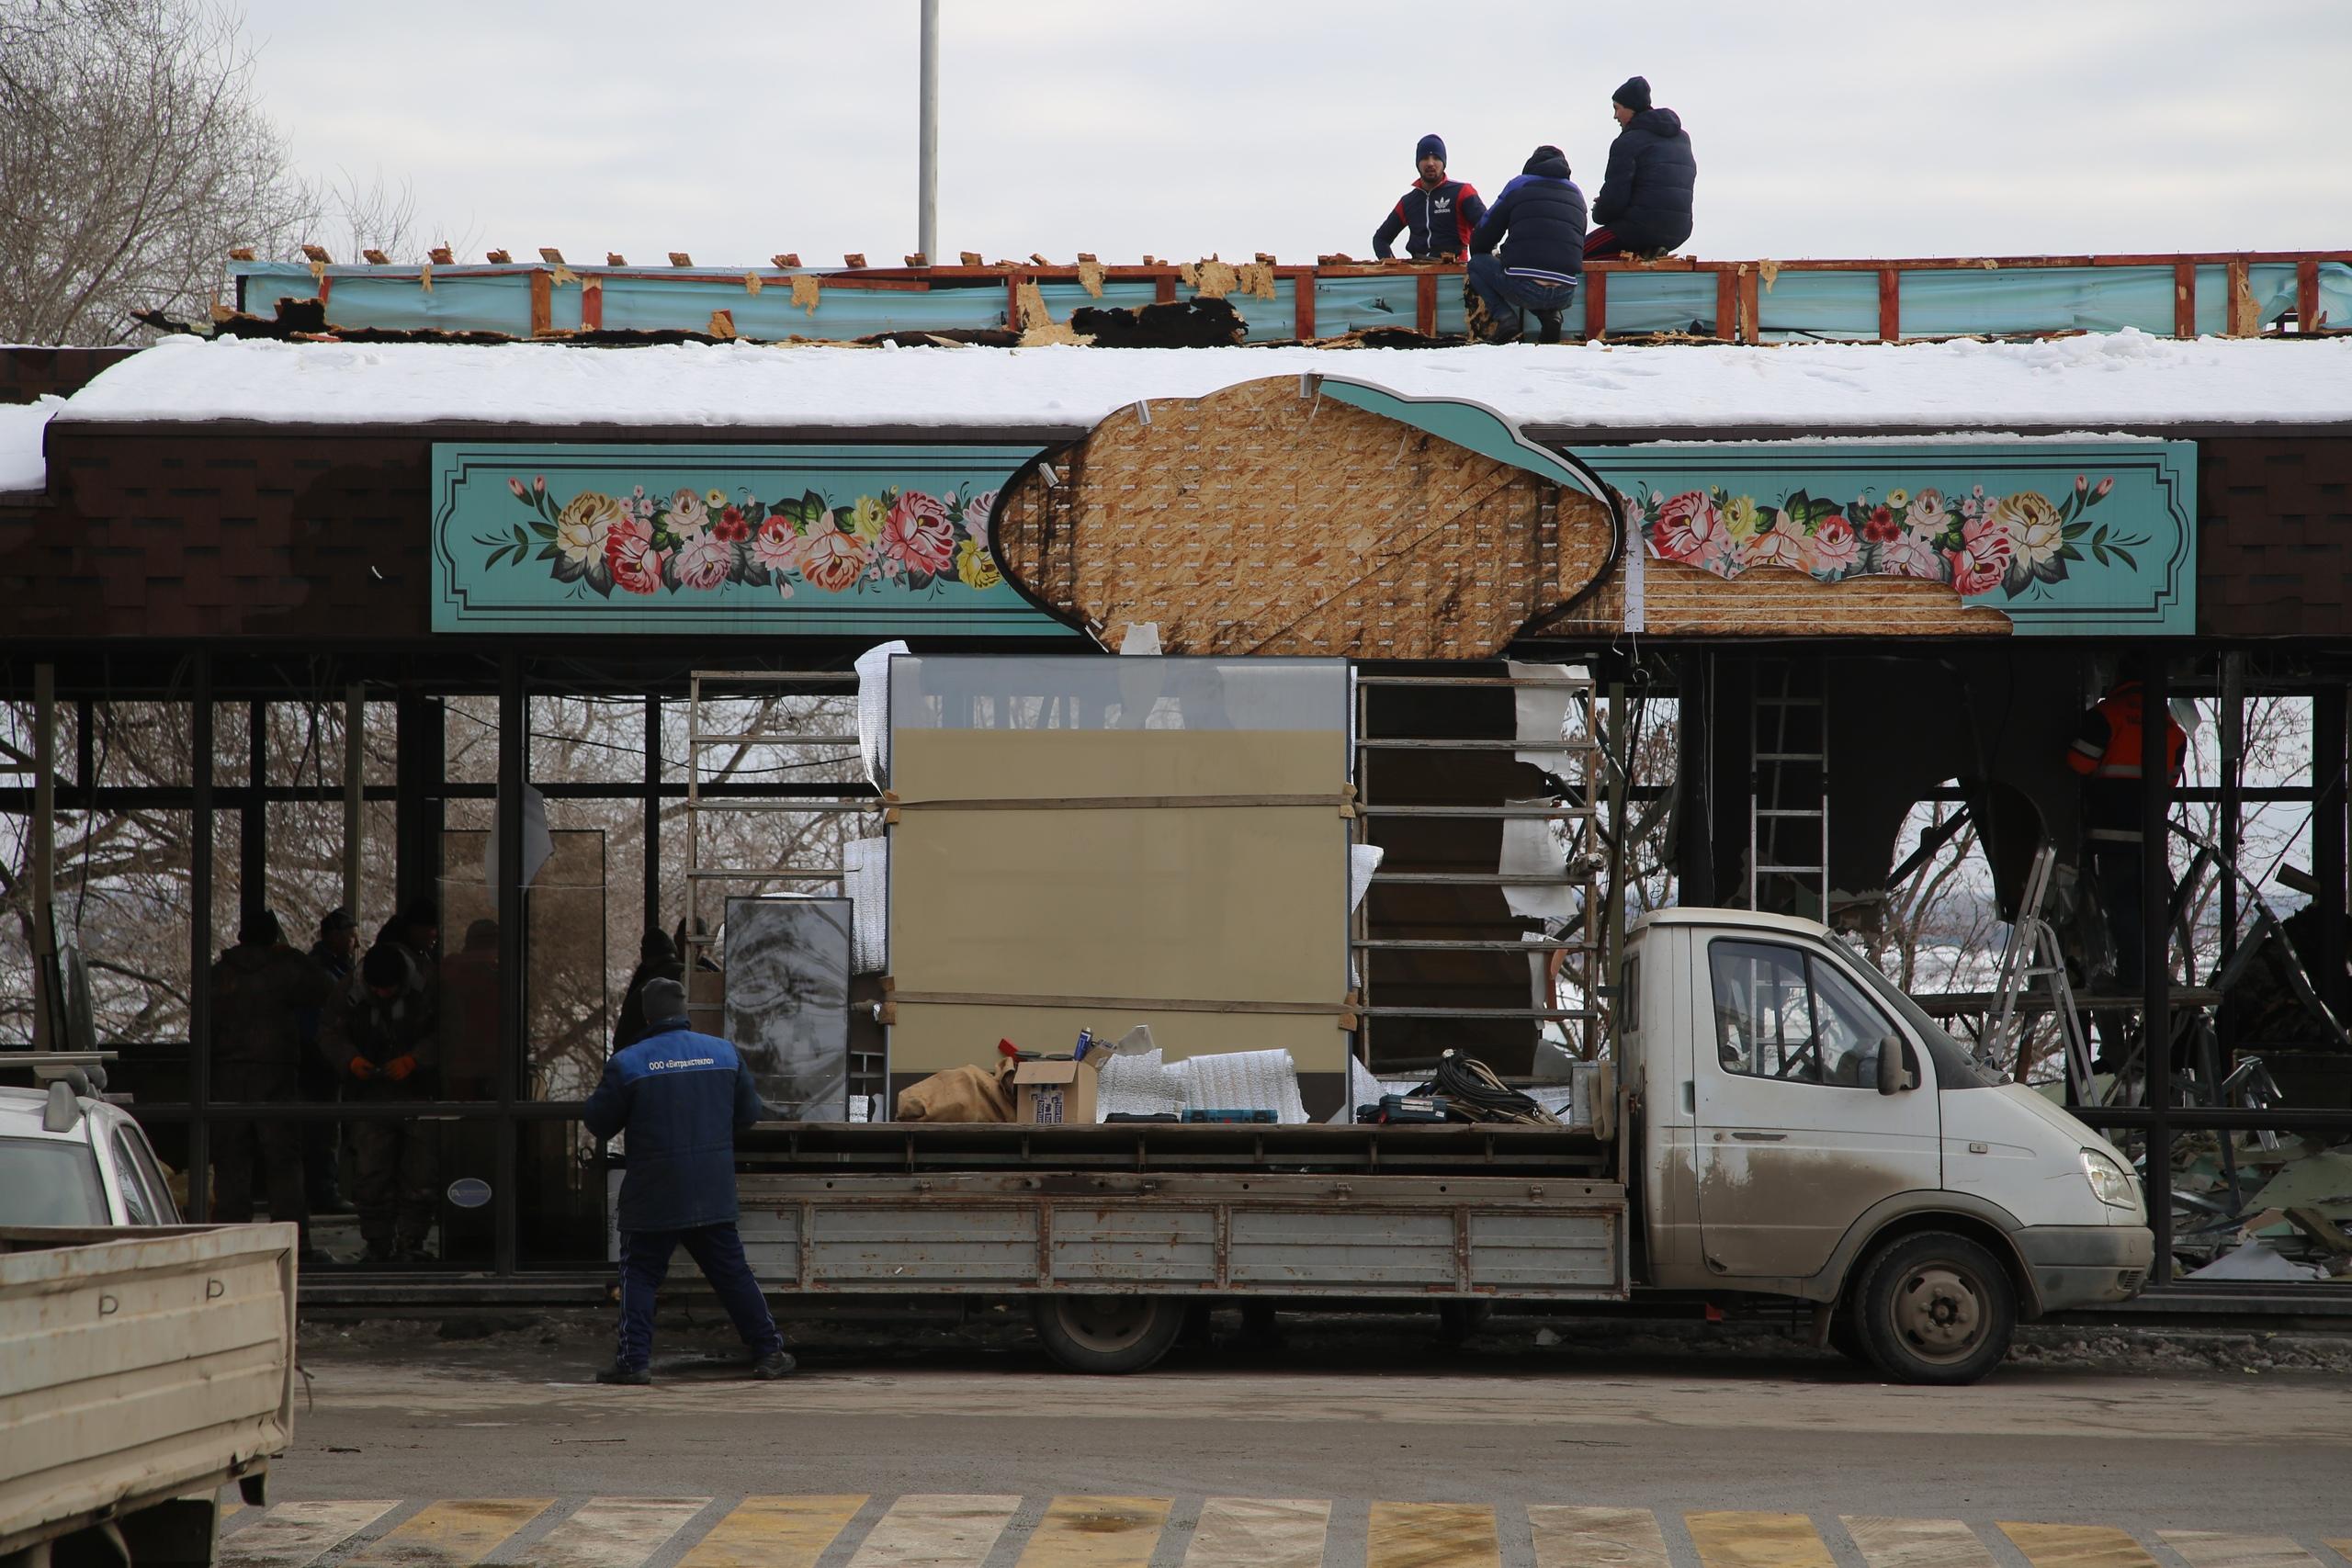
x=1539, y=222
x=681, y=1097
x=1436, y=215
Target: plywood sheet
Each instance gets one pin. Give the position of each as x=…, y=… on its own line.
x=1266, y=519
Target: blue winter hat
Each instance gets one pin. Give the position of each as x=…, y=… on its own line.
x=1431, y=145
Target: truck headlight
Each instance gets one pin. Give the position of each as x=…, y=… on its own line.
x=2109, y=1181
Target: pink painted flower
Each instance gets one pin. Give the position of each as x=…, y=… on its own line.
x=2104, y=486
x=631, y=556
x=979, y=517
x=705, y=561
x=517, y=486
x=1833, y=549
x=774, y=546
x=918, y=536
x=1777, y=546
x=1984, y=556
x=1690, y=529
x=1908, y=555
x=729, y=527
x=1882, y=526
x=832, y=559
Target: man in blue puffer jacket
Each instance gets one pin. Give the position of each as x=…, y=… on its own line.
x=1542, y=212
x=682, y=1097
x=1644, y=208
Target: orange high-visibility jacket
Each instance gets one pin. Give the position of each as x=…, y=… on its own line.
x=2108, y=751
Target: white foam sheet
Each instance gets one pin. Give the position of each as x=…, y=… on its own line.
x=1243, y=1080
x=865, y=882
x=873, y=669
x=22, y=466
x=1138, y=1084
x=1362, y=1089
x=2105, y=380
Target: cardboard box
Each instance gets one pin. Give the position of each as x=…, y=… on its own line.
x=1055, y=1093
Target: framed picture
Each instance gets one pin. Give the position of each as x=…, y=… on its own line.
x=787, y=964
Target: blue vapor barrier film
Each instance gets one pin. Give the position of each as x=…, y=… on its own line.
x=1800, y=305
x=1480, y=429
x=809, y=540
x=1345, y=304
x=2037, y=300
x=457, y=304
x=1269, y=321
x=1661, y=301
x=2272, y=283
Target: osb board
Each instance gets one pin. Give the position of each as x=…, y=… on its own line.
x=1264, y=519
x=1240, y=904
x=1681, y=598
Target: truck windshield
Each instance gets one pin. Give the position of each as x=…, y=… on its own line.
x=1955, y=1067
x=45, y=1181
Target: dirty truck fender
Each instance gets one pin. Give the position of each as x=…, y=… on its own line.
x=1931, y=1209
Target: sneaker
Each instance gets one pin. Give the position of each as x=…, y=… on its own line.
x=774, y=1365
x=1547, y=324
x=634, y=1377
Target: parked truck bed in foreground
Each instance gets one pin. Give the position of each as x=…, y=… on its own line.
x=139, y=1367
x=1779, y=1120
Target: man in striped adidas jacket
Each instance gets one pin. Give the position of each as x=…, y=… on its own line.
x=682, y=1097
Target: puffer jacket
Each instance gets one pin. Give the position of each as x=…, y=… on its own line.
x=682, y=1097
x=1539, y=222
x=1646, y=196
x=261, y=997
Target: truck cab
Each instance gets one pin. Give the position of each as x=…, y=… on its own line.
x=69, y=1157
x=1807, y=1131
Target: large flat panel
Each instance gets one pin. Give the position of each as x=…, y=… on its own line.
x=1544, y=1251
x=920, y=1245
x=1170, y=1247
x=1335, y=1247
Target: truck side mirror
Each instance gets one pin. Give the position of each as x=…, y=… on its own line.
x=1898, y=1069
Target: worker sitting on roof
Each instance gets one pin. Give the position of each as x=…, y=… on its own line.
x=1435, y=214
x=1644, y=208
x=2108, y=751
x=1542, y=212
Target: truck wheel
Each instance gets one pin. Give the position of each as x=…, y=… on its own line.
x=1935, y=1308
x=1106, y=1335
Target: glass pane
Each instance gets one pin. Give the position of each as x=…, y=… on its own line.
x=469, y=738
x=139, y=1206
x=46, y=1182
x=559, y=1171
x=1763, y=1011
x=1852, y=1028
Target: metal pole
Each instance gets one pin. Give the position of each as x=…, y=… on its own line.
x=2155, y=997
x=514, y=741
x=354, y=767
x=200, y=941
x=927, y=177
x=653, y=813
x=44, y=847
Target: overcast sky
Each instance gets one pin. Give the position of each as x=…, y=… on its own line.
x=1823, y=128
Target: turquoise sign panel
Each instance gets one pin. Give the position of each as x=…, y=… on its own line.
x=828, y=540
x=2067, y=538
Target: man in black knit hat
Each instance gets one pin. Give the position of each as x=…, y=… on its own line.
x=1436, y=215
x=1644, y=208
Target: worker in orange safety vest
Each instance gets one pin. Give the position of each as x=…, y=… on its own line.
x=2108, y=751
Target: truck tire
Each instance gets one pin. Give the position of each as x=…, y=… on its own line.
x=1935, y=1308
x=1107, y=1334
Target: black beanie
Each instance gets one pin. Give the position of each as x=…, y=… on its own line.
x=1431, y=144
x=665, y=1002
x=260, y=928
x=1635, y=95
x=385, y=966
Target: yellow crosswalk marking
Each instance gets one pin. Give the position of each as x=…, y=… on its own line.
x=2078, y=1546
x=1596, y=1538
x=294, y=1535
x=1432, y=1535
x=774, y=1532
x=1096, y=1532
x=2341, y=1548
x=936, y=1531
x=1756, y=1540
x=2217, y=1548
x=613, y=1532
x=1916, y=1543
x=455, y=1534
x=1259, y=1532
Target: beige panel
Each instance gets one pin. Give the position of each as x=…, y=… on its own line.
x=1432, y=1535
x=1917, y=1544
x=932, y=1039
x=1259, y=1532
x=295, y=1535
x=1061, y=764
x=1096, y=1532
x=1758, y=1540
x=774, y=1532
x=936, y=1531
x=2078, y=1546
x=612, y=1532
x=1596, y=1538
x=2217, y=1548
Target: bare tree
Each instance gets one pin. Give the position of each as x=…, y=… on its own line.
x=132, y=157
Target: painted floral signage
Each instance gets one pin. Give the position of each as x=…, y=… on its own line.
x=1976, y=544
x=2062, y=536
x=859, y=540
x=692, y=541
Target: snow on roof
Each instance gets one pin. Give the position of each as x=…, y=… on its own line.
x=2126, y=379
x=22, y=466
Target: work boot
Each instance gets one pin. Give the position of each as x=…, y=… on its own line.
x=380, y=1251
x=633, y=1377
x=1505, y=329
x=1547, y=325
x=774, y=1365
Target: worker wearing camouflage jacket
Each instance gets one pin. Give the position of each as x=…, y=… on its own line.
x=382, y=1032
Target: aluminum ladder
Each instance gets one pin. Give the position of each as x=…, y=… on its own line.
x=2032, y=954
x=1788, y=795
